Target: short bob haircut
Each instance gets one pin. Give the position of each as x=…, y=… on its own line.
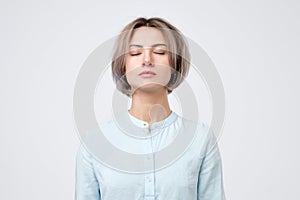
x=179, y=55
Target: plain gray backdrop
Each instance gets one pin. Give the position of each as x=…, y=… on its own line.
x=254, y=45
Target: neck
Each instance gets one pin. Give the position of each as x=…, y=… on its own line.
x=150, y=107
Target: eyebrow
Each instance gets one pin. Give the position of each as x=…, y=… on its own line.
x=141, y=46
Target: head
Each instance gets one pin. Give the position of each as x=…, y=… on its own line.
x=153, y=46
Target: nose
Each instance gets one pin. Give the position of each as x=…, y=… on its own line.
x=147, y=59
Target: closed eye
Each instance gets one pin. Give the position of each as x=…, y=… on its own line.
x=160, y=53
x=135, y=54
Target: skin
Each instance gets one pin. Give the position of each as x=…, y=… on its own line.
x=148, y=52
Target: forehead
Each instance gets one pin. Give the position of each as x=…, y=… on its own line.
x=147, y=36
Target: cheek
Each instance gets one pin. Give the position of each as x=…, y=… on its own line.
x=130, y=64
x=164, y=61
x=127, y=66
x=167, y=63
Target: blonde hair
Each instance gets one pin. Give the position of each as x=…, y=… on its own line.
x=179, y=56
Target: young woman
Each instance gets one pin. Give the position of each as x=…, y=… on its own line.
x=151, y=59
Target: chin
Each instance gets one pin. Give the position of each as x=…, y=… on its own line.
x=151, y=88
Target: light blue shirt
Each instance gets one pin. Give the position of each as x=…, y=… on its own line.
x=195, y=175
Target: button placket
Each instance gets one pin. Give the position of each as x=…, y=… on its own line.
x=149, y=176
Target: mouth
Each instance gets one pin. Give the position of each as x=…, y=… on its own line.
x=147, y=73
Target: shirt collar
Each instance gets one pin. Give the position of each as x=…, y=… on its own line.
x=160, y=124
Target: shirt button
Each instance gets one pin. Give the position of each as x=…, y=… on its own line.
x=148, y=178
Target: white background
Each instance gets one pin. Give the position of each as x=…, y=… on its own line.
x=254, y=45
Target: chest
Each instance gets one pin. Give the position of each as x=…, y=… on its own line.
x=182, y=173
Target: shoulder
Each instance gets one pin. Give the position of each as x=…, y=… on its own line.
x=204, y=139
x=83, y=153
x=199, y=128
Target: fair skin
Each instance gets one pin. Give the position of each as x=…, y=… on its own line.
x=148, y=71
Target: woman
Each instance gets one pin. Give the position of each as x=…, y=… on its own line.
x=151, y=59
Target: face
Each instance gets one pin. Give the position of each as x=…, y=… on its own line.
x=147, y=62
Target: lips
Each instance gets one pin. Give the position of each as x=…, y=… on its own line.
x=147, y=72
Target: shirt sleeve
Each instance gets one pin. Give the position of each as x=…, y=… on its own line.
x=86, y=186
x=210, y=180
